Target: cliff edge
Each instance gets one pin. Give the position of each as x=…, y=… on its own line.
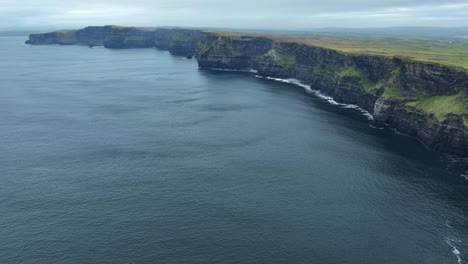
x=425, y=100
x=177, y=41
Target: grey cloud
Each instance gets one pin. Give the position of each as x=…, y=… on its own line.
x=271, y=14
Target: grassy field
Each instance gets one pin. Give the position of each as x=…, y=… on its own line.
x=442, y=105
x=139, y=28
x=446, y=53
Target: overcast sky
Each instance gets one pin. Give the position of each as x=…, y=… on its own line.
x=263, y=14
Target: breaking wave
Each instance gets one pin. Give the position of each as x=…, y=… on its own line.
x=319, y=94
x=308, y=88
x=233, y=70
x=457, y=166
x=455, y=251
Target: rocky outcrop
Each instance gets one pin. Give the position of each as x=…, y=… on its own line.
x=42, y=39
x=92, y=35
x=233, y=53
x=424, y=100
x=124, y=37
x=59, y=37
x=184, y=41
x=431, y=78
x=448, y=135
x=86, y=36
x=162, y=37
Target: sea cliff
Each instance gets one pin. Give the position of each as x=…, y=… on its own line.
x=177, y=41
x=420, y=99
x=424, y=100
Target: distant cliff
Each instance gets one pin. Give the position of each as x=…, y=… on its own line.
x=424, y=100
x=86, y=36
x=177, y=41
x=184, y=42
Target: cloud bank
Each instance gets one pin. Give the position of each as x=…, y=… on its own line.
x=262, y=14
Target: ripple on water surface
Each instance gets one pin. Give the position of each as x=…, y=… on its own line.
x=136, y=156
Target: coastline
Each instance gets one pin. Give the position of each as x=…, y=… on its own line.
x=389, y=91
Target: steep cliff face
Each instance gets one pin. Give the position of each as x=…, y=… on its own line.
x=177, y=41
x=431, y=78
x=113, y=37
x=42, y=39
x=162, y=38
x=123, y=37
x=86, y=36
x=92, y=35
x=427, y=101
x=424, y=100
x=184, y=41
x=233, y=53
x=65, y=37
x=447, y=135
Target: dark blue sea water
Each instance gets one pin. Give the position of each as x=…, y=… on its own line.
x=137, y=156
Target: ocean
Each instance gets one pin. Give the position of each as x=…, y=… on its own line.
x=138, y=156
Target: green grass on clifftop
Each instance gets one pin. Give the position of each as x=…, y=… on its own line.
x=439, y=52
x=445, y=53
x=442, y=105
x=66, y=37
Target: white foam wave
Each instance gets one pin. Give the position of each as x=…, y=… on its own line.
x=455, y=251
x=233, y=70
x=375, y=127
x=464, y=176
x=457, y=166
x=319, y=94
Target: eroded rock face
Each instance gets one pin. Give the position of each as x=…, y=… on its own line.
x=92, y=35
x=381, y=85
x=162, y=38
x=86, y=36
x=122, y=38
x=177, y=41
x=43, y=39
x=233, y=53
x=449, y=136
x=432, y=79
x=389, y=88
x=184, y=42
x=373, y=68
x=110, y=36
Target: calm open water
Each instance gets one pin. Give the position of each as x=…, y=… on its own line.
x=137, y=156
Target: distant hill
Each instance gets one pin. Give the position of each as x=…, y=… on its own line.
x=434, y=33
